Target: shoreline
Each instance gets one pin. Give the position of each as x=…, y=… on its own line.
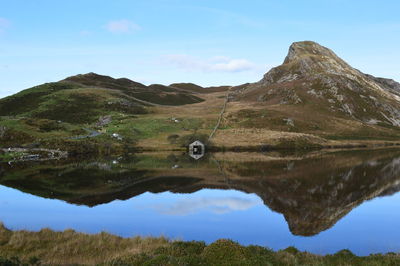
x=266, y=148
x=11, y=154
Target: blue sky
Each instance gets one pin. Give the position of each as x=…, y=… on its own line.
x=207, y=42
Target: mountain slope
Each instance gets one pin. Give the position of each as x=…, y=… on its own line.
x=315, y=91
x=190, y=87
x=83, y=98
x=80, y=108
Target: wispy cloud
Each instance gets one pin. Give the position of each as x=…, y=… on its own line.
x=4, y=24
x=215, y=205
x=219, y=63
x=122, y=26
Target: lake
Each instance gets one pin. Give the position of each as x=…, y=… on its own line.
x=321, y=201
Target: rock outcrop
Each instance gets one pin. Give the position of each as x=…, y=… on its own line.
x=314, y=76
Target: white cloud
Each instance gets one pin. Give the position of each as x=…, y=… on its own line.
x=218, y=63
x=122, y=26
x=184, y=61
x=234, y=65
x=215, y=205
x=4, y=24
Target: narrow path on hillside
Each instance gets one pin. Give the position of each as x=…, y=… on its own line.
x=221, y=114
x=133, y=98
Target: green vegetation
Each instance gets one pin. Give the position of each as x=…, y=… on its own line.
x=69, y=247
x=89, y=114
x=184, y=141
x=30, y=99
x=8, y=156
x=198, y=89
x=121, y=132
x=167, y=99
x=45, y=133
x=149, y=127
x=66, y=103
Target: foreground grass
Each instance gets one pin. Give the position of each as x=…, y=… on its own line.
x=69, y=247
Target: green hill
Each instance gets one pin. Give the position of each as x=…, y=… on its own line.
x=190, y=87
x=57, y=113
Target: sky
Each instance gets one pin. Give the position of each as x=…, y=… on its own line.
x=207, y=42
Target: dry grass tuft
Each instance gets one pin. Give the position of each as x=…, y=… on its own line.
x=70, y=247
x=47, y=247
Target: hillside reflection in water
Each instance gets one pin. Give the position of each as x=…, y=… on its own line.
x=321, y=201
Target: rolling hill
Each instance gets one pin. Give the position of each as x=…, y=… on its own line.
x=68, y=110
x=82, y=98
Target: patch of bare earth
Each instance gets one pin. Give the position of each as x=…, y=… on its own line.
x=258, y=137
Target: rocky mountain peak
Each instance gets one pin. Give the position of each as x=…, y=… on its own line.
x=313, y=75
x=303, y=49
x=308, y=60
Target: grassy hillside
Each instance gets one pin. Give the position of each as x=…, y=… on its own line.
x=156, y=93
x=73, y=248
x=198, y=89
x=66, y=114
x=306, y=118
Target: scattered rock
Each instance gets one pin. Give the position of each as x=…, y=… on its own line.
x=104, y=120
x=3, y=130
x=36, y=154
x=289, y=122
x=117, y=136
x=372, y=122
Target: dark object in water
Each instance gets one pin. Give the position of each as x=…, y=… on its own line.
x=196, y=149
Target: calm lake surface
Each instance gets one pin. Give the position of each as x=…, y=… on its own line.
x=320, y=202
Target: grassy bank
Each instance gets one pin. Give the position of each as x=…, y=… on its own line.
x=69, y=247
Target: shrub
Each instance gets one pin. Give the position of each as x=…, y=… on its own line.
x=173, y=138
x=186, y=140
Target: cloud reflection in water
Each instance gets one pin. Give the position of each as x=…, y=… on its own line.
x=215, y=205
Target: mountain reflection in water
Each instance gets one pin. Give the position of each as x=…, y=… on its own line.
x=312, y=191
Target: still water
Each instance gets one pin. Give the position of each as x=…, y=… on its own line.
x=320, y=202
